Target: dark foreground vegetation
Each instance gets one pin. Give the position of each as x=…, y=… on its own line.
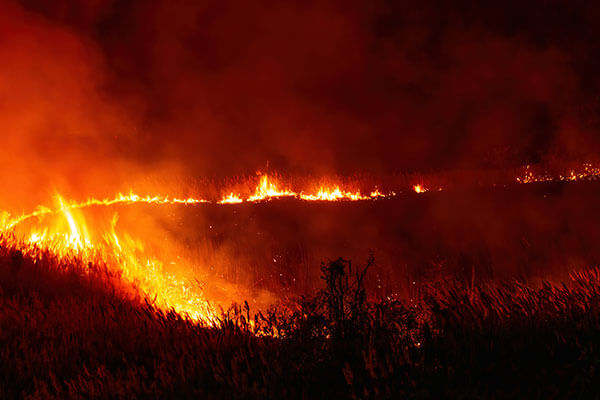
x=66, y=333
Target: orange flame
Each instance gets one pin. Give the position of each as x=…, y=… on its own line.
x=231, y=199
x=267, y=189
x=67, y=235
x=420, y=188
x=579, y=173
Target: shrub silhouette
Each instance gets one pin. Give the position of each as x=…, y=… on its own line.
x=345, y=298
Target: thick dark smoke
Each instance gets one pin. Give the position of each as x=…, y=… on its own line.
x=96, y=92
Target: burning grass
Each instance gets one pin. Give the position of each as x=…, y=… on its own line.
x=74, y=330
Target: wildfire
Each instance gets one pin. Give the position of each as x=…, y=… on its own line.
x=231, y=199
x=584, y=172
x=8, y=223
x=267, y=189
x=420, y=188
x=65, y=233
x=332, y=195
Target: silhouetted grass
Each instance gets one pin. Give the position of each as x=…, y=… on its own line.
x=73, y=331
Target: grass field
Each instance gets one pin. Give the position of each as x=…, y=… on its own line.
x=74, y=331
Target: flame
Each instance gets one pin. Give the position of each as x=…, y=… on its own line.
x=78, y=237
x=231, y=199
x=65, y=233
x=376, y=194
x=334, y=194
x=579, y=173
x=420, y=188
x=267, y=189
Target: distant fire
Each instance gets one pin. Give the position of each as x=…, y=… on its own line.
x=584, y=172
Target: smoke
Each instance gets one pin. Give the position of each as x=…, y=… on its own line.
x=346, y=87
x=57, y=129
x=103, y=96
x=96, y=95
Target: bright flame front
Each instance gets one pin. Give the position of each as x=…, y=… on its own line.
x=66, y=234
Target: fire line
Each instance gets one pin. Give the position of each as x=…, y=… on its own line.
x=129, y=258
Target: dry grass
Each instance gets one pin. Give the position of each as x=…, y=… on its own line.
x=67, y=333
